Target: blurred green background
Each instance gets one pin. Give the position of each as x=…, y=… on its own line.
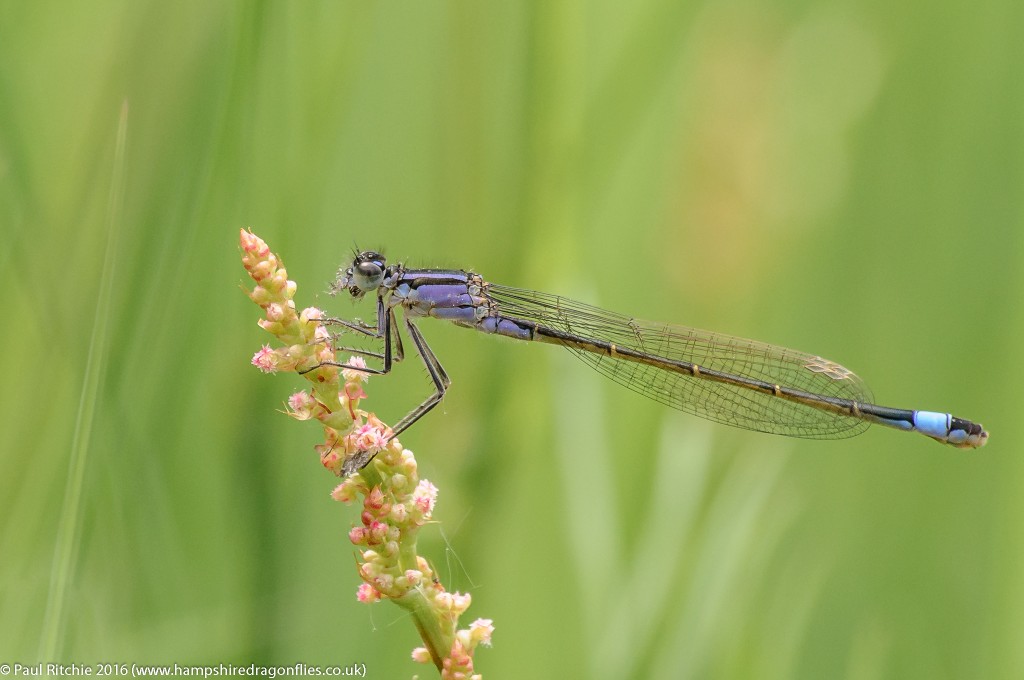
x=842, y=178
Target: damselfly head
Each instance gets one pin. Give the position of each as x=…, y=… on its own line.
x=365, y=274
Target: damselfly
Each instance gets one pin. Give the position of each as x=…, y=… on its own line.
x=726, y=379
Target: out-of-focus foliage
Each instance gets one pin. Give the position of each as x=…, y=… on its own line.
x=841, y=178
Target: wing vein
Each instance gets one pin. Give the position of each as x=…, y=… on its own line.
x=721, y=402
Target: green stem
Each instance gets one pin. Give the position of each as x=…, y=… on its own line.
x=431, y=627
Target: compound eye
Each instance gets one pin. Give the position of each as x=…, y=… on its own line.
x=369, y=270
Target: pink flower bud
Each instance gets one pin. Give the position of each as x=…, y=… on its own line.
x=263, y=271
x=399, y=514
x=424, y=497
x=443, y=601
x=275, y=312
x=300, y=401
x=265, y=359
x=377, y=533
x=480, y=631
x=460, y=602
x=375, y=499
x=346, y=491
x=357, y=535
x=354, y=375
x=249, y=241
x=302, y=405
x=367, y=593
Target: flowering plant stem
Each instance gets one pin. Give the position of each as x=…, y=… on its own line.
x=376, y=469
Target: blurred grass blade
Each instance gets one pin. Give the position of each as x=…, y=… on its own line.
x=67, y=530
